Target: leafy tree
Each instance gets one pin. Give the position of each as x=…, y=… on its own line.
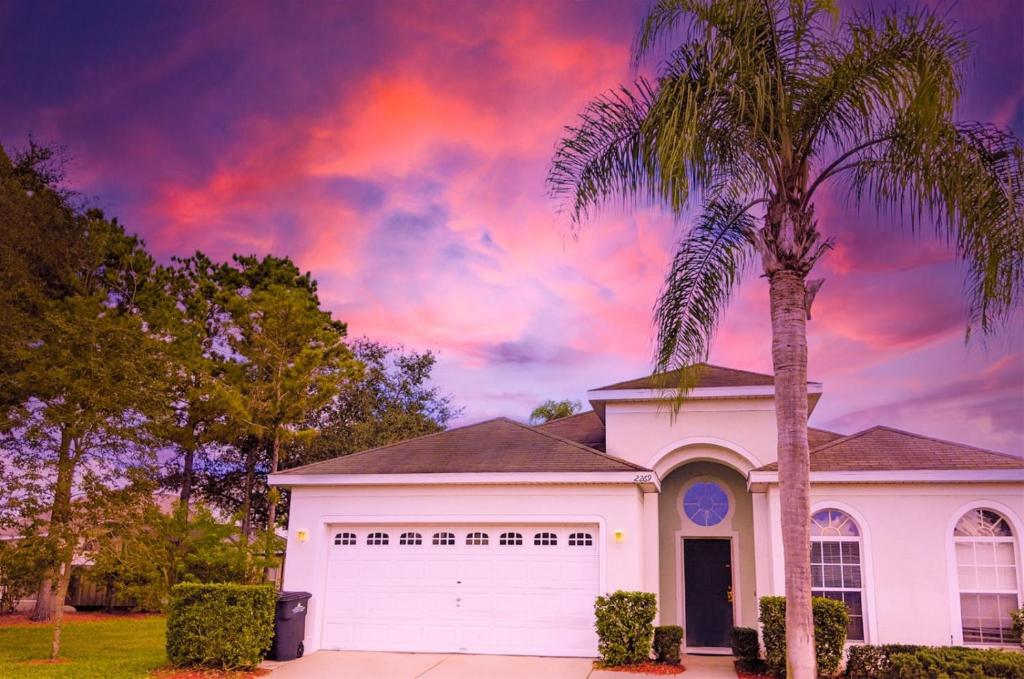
x=291, y=359
x=391, y=400
x=758, y=105
x=81, y=375
x=553, y=410
x=143, y=553
x=188, y=307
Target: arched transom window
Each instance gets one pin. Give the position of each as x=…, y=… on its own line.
x=987, y=576
x=836, y=570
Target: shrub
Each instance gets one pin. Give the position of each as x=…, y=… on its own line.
x=225, y=626
x=625, y=627
x=956, y=662
x=868, y=662
x=1018, y=626
x=667, y=640
x=747, y=650
x=830, y=621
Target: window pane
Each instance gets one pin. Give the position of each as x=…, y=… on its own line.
x=851, y=577
x=987, y=578
x=1007, y=577
x=1004, y=553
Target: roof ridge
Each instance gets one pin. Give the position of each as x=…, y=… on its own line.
x=841, y=439
x=947, y=441
x=738, y=370
x=394, y=443
x=577, y=444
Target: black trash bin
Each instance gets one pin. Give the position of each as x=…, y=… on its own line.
x=289, y=625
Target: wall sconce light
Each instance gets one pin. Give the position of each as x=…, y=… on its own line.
x=302, y=535
x=620, y=536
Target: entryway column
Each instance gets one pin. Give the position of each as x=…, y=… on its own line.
x=650, y=548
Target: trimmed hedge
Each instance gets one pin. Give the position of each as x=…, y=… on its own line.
x=625, y=627
x=223, y=626
x=957, y=662
x=899, y=661
x=830, y=621
x=746, y=649
x=869, y=662
x=1018, y=626
x=667, y=640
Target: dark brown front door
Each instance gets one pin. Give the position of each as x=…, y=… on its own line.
x=707, y=581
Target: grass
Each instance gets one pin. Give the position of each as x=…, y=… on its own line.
x=94, y=649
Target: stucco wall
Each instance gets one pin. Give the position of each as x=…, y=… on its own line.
x=313, y=509
x=640, y=431
x=910, y=592
x=673, y=521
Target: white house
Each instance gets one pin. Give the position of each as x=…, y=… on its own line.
x=497, y=536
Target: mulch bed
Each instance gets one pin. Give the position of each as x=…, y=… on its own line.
x=195, y=673
x=21, y=619
x=644, y=668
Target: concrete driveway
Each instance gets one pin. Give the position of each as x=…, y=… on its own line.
x=365, y=664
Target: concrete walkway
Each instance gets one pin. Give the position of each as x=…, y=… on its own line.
x=365, y=664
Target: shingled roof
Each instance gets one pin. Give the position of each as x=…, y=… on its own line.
x=887, y=449
x=709, y=376
x=586, y=428
x=498, y=445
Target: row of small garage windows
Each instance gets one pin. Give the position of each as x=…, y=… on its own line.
x=476, y=538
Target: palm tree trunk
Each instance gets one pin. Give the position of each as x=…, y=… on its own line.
x=789, y=356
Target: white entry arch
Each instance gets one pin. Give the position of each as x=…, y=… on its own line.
x=701, y=448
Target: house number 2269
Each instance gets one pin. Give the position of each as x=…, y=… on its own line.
x=642, y=478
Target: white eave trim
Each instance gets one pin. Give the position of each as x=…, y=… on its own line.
x=903, y=476
x=762, y=391
x=647, y=481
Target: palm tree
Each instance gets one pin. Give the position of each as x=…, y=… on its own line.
x=757, y=106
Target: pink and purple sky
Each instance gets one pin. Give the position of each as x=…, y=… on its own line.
x=398, y=151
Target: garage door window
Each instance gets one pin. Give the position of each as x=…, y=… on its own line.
x=580, y=540
x=510, y=539
x=477, y=539
x=444, y=538
x=377, y=539
x=410, y=539
x=545, y=539
x=345, y=539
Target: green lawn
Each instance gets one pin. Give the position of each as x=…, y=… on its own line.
x=108, y=649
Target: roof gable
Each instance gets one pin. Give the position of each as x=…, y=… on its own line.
x=709, y=376
x=887, y=449
x=586, y=428
x=498, y=445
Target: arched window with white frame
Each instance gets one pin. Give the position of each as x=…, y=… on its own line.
x=836, y=565
x=986, y=569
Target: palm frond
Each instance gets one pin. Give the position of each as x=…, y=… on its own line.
x=707, y=267
x=968, y=179
x=904, y=64
x=607, y=153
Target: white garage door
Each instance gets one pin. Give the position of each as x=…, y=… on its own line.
x=467, y=589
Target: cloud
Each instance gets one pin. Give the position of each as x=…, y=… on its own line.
x=399, y=152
